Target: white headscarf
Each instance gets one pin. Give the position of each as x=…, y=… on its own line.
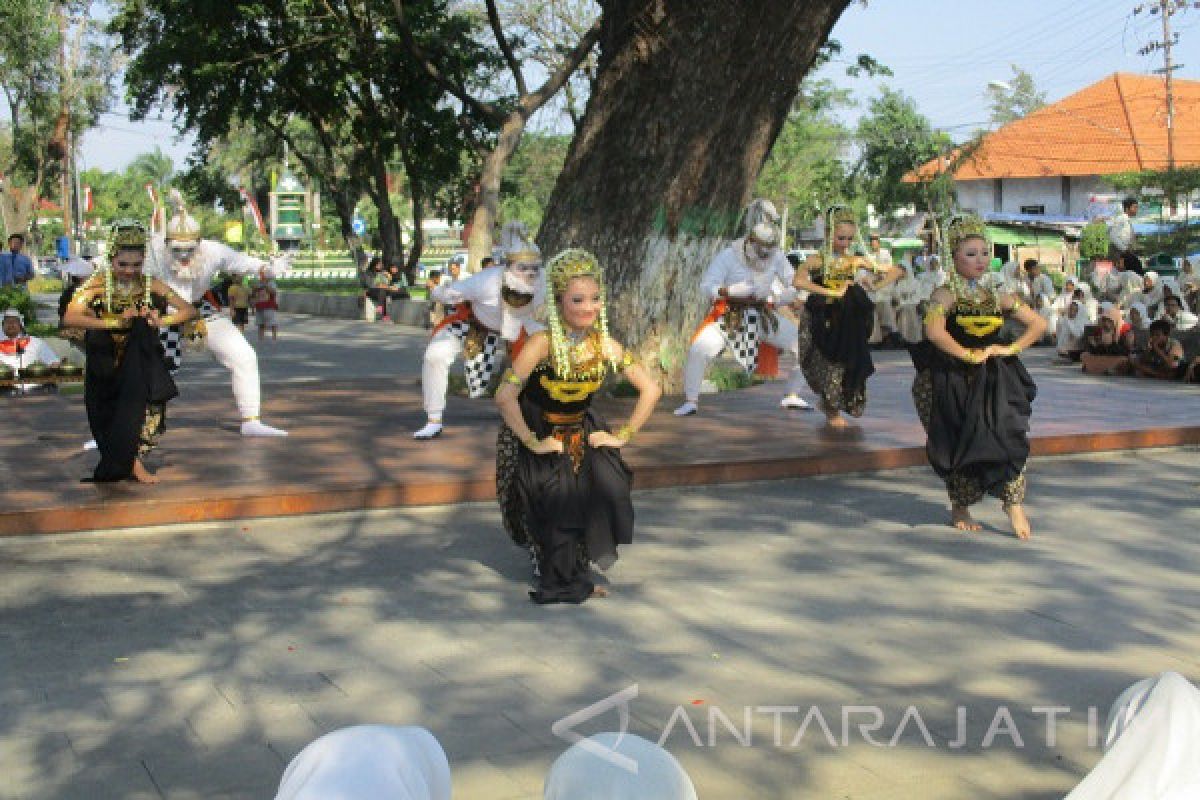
x=1152, y=747
x=369, y=762
x=582, y=774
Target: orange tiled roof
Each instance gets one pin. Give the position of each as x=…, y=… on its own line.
x=1116, y=125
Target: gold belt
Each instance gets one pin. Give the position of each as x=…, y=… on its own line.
x=564, y=418
x=568, y=429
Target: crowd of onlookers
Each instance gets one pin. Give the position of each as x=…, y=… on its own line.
x=1115, y=322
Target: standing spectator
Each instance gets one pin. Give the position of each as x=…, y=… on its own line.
x=876, y=251
x=239, y=304
x=377, y=281
x=437, y=311
x=16, y=268
x=265, y=306
x=484, y=264
x=1120, y=237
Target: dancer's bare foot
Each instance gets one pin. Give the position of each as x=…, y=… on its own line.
x=141, y=474
x=960, y=517
x=1020, y=522
x=599, y=591
x=835, y=419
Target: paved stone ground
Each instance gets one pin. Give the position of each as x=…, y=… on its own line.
x=195, y=662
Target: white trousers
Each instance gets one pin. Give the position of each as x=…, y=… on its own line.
x=443, y=348
x=709, y=344
x=230, y=348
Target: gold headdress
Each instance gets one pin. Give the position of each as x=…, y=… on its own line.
x=562, y=269
x=962, y=227
x=835, y=215
x=127, y=234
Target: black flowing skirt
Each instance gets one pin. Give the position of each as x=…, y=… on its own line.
x=979, y=416
x=841, y=330
x=565, y=509
x=117, y=389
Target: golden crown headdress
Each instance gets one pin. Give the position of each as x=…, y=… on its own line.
x=841, y=215
x=962, y=227
x=127, y=234
x=562, y=269
x=570, y=264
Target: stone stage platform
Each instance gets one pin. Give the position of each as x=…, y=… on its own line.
x=351, y=447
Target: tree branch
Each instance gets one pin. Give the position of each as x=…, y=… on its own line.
x=532, y=102
x=513, y=65
x=483, y=109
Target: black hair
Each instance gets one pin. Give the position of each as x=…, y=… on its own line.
x=1128, y=203
x=375, y=262
x=486, y=262
x=1161, y=326
x=435, y=274
x=18, y=236
x=1030, y=263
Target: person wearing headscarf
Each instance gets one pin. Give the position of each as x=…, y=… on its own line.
x=369, y=762
x=972, y=393
x=1130, y=290
x=746, y=284
x=1108, y=349
x=1189, y=285
x=126, y=382
x=839, y=316
x=909, y=293
x=563, y=488
x=1091, y=305
x=188, y=263
x=1139, y=327
x=617, y=766
x=1151, y=293
x=495, y=310
x=1151, y=744
x=1072, y=328
x=1110, y=283
x=933, y=277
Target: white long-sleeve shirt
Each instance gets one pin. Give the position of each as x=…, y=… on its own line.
x=209, y=258
x=36, y=352
x=729, y=269
x=483, y=291
x=1120, y=232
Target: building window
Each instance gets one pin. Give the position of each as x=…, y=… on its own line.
x=1033, y=209
x=998, y=194
x=1066, y=196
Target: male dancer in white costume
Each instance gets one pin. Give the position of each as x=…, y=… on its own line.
x=745, y=283
x=187, y=264
x=495, y=307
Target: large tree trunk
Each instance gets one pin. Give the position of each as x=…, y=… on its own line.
x=417, y=190
x=343, y=204
x=483, y=220
x=687, y=101
x=16, y=207
x=389, y=224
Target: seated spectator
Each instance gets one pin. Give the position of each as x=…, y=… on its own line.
x=909, y=293
x=1152, y=745
x=369, y=762
x=397, y=285
x=1163, y=357
x=1069, y=340
x=378, y=281
x=1139, y=327
x=1038, y=283
x=1174, y=313
x=1189, y=285
x=1170, y=288
x=1151, y=294
x=1107, y=350
x=590, y=770
x=19, y=350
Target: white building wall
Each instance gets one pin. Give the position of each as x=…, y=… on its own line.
x=980, y=195
x=974, y=196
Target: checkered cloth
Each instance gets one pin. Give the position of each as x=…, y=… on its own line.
x=171, y=337
x=743, y=341
x=479, y=368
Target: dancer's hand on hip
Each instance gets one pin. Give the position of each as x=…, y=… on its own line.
x=604, y=439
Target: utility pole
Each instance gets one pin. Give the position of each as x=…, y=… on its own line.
x=1167, y=9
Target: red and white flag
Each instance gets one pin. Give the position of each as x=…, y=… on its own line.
x=87, y=200
x=157, y=223
x=248, y=199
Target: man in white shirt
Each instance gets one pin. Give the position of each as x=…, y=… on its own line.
x=745, y=282
x=1120, y=236
x=18, y=350
x=494, y=308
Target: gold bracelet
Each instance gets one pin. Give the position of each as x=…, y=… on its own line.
x=1014, y=349
x=511, y=377
x=626, y=432
x=935, y=311
x=531, y=441
x=972, y=357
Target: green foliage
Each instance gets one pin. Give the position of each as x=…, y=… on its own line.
x=18, y=298
x=895, y=138
x=805, y=169
x=1093, y=241
x=728, y=377
x=1021, y=99
x=529, y=177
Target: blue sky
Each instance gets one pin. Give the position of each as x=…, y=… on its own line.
x=943, y=53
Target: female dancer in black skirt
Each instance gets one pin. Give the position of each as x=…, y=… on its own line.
x=562, y=484
x=972, y=393
x=838, y=317
x=126, y=382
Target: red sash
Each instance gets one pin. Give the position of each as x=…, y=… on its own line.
x=767, y=365
x=8, y=347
